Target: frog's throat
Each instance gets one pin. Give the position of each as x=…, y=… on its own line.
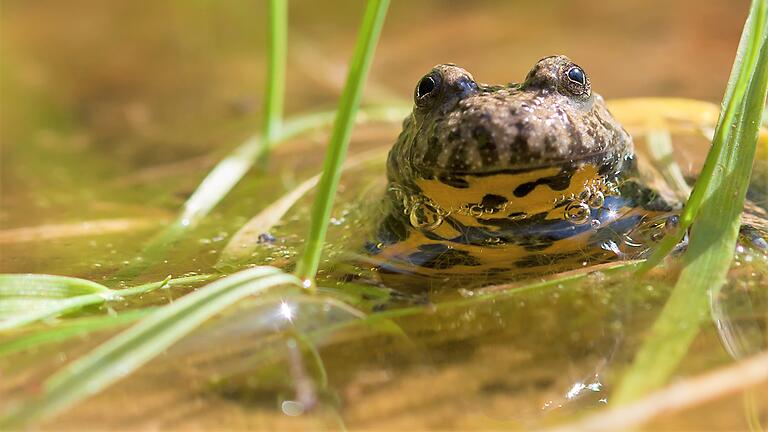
x=549, y=193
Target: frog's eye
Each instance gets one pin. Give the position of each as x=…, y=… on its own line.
x=576, y=81
x=576, y=75
x=427, y=88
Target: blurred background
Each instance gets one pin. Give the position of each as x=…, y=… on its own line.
x=115, y=110
x=99, y=97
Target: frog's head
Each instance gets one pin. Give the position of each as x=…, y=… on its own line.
x=461, y=127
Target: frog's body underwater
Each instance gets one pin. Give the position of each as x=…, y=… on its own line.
x=487, y=182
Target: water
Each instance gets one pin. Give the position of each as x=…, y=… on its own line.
x=119, y=110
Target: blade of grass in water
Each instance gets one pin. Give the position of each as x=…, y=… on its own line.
x=715, y=230
x=231, y=169
x=245, y=241
x=46, y=286
x=368, y=37
x=275, y=86
x=71, y=328
x=662, y=151
x=25, y=299
x=743, y=67
x=129, y=350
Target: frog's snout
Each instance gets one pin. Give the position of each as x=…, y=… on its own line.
x=493, y=131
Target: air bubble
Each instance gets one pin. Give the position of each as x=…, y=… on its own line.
x=476, y=210
x=596, y=200
x=424, y=217
x=577, y=212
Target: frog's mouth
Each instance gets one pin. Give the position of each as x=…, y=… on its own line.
x=610, y=163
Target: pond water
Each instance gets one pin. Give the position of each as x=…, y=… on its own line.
x=114, y=111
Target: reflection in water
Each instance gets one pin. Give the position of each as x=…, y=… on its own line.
x=738, y=311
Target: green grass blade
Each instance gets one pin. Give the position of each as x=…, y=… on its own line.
x=244, y=242
x=46, y=286
x=71, y=328
x=231, y=169
x=228, y=172
x=744, y=63
x=134, y=347
x=275, y=88
x=662, y=152
x=38, y=307
x=368, y=37
x=713, y=240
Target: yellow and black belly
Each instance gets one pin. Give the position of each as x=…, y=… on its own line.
x=512, y=225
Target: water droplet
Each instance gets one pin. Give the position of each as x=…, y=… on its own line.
x=476, y=210
x=493, y=240
x=577, y=212
x=671, y=224
x=596, y=200
x=424, y=217
x=292, y=408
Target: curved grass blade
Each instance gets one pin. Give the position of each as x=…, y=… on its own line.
x=29, y=298
x=71, y=328
x=245, y=240
x=662, y=152
x=46, y=286
x=713, y=234
x=743, y=68
x=126, y=352
x=228, y=172
x=368, y=37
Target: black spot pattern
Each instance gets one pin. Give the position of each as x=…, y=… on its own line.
x=557, y=182
x=456, y=182
x=493, y=201
x=489, y=153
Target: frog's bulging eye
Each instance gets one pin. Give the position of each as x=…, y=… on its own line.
x=575, y=81
x=576, y=75
x=427, y=87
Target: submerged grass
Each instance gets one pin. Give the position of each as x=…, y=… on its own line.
x=245, y=241
x=741, y=73
x=28, y=298
x=36, y=337
x=230, y=170
x=716, y=203
x=134, y=347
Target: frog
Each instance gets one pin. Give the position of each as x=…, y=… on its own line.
x=487, y=183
